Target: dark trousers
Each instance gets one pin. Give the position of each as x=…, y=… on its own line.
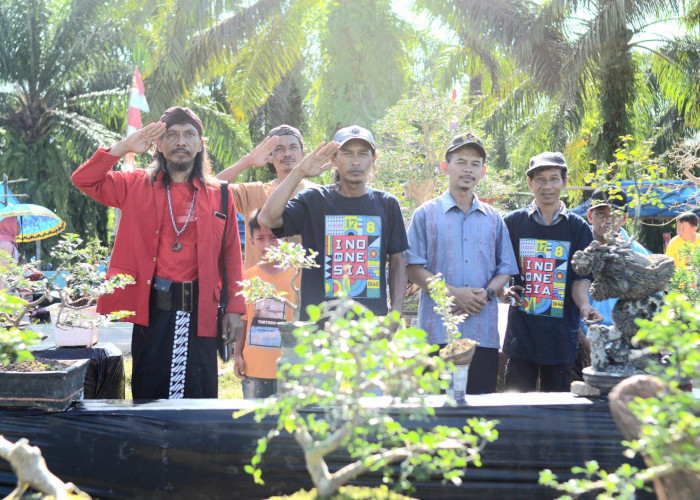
x=483, y=371
x=152, y=352
x=523, y=376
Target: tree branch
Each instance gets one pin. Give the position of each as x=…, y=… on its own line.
x=31, y=471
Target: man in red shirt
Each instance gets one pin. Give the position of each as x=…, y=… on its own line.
x=169, y=240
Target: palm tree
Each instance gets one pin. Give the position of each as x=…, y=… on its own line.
x=561, y=66
x=62, y=93
x=225, y=59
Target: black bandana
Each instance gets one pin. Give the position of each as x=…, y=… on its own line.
x=176, y=115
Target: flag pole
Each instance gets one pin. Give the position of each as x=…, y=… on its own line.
x=137, y=103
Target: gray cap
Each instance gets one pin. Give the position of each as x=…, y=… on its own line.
x=285, y=129
x=355, y=132
x=548, y=159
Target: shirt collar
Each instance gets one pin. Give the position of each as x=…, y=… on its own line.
x=447, y=202
x=562, y=212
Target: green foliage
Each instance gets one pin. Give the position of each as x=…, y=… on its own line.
x=359, y=354
x=669, y=436
x=14, y=341
x=634, y=162
x=444, y=305
x=79, y=280
x=63, y=89
x=558, y=75
x=347, y=493
x=413, y=136
x=286, y=254
x=686, y=280
x=364, y=64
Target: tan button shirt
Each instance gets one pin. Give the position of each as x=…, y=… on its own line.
x=251, y=196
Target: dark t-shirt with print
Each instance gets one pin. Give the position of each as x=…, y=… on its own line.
x=352, y=237
x=544, y=330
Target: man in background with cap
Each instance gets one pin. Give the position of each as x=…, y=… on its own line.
x=355, y=229
x=280, y=151
x=169, y=240
x=465, y=240
x=542, y=332
x=608, y=213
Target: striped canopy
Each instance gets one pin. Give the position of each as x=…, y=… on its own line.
x=35, y=222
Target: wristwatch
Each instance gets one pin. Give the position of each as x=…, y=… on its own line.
x=490, y=294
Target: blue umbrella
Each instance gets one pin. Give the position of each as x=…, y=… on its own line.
x=35, y=222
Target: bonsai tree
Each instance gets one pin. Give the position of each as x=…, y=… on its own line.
x=459, y=351
x=78, y=282
x=287, y=254
x=355, y=355
x=656, y=413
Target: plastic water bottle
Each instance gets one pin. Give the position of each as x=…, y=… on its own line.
x=459, y=382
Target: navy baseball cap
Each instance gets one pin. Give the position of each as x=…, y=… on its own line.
x=467, y=139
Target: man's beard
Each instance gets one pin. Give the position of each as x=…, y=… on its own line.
x=176, y=166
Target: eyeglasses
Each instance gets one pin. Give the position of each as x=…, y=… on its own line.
x=542, y=181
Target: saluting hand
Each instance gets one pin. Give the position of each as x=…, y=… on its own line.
x=316, y=162
x=260, y=154
x=140, y=141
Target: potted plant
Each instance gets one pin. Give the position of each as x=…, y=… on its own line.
x=458, y=351
x=357, y=352
x=78, y=281
x=657, y=414
x=25, y=382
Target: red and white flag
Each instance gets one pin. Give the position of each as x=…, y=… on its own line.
x=137, y=103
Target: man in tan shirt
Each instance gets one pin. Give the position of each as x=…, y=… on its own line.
x=282, y=148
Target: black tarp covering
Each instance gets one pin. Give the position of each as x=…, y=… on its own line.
x=194, y=449
x=104, y=378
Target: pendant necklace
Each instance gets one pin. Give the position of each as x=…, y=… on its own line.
x=177, y=246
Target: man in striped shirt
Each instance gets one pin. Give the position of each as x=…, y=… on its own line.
x=465, y=240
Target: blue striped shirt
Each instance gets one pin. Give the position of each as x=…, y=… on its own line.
x=468, y=249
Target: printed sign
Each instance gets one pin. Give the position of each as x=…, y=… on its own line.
x=352, y=255
x=264, y=331
x=543, y=266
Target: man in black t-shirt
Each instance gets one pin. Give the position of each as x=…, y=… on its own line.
x=542, y=332
x=355, y=229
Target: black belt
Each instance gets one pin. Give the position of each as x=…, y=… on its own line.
x=174, y=296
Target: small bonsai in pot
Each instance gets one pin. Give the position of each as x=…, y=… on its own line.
x=77, y=283
x=25, y=382
x=323, y=403
x=458, y=351
x=287, y=254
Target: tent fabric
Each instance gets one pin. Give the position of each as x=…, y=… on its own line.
x=677, y=197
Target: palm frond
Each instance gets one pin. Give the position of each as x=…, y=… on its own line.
x=188, y=54
x=227, y=139
x=82, y=133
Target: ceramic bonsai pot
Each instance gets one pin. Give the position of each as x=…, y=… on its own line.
x=81, y=334
x=52, y=390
